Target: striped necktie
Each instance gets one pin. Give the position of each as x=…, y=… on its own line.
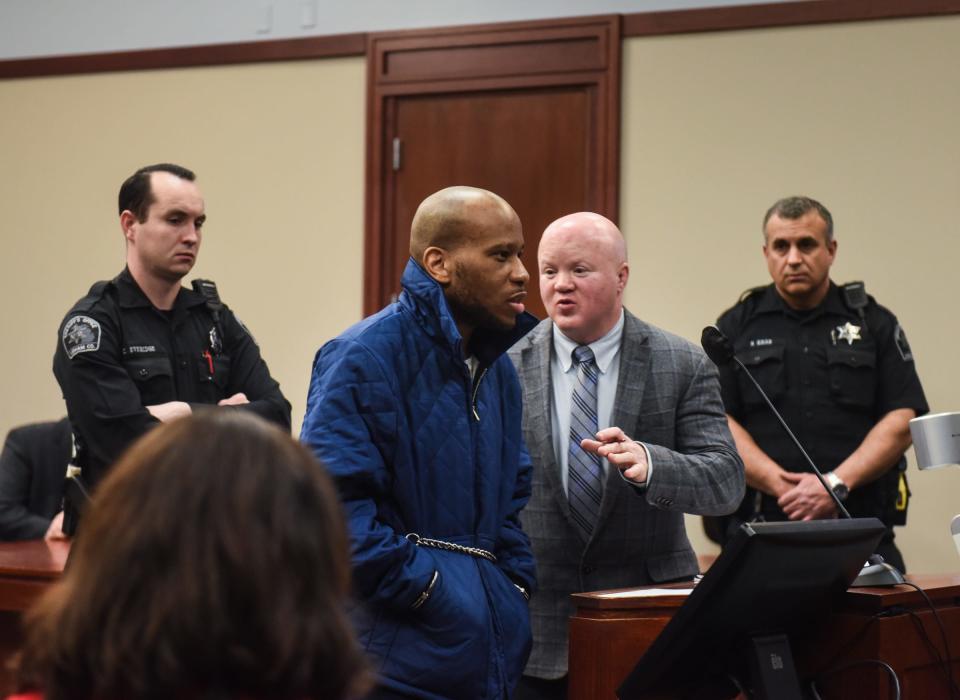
x=585, y=474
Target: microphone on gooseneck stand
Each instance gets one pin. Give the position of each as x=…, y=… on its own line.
x=719, y=349
x=876, y=572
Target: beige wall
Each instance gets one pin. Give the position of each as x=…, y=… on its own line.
x=715, y=127
x=278, y=149
x=862, y=116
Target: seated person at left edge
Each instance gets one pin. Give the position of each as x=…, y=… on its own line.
x=32, y=465
x=140, y=348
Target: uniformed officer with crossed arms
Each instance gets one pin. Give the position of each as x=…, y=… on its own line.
x=838, y=367
x=141, y=348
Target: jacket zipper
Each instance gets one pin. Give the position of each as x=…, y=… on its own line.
x=476, y=389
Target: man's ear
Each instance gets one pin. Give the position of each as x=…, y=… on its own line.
x=127, y=221
x=623, y=274
x=438, y=264
x=832, y=248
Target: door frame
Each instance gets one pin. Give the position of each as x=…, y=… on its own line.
x=582, y=51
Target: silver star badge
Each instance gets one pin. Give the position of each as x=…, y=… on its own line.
x=848, y=332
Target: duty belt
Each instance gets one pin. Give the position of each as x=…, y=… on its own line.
x=451, y=547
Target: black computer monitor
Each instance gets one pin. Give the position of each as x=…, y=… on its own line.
x=770, y=581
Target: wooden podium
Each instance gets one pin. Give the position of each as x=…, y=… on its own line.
x=895, y=625
x=26, y=570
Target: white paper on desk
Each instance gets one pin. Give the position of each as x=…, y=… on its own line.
x=647, y=593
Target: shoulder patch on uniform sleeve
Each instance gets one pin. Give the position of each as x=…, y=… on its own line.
x=903, y=346
x=80, y=334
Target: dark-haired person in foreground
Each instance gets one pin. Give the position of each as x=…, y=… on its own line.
x=213, y=563
x=416, y=413
x=838, y=367
x=141, y=349
x=32, y=466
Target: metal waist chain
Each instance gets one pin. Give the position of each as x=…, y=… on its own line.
x=451, y=547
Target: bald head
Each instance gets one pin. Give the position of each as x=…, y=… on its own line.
x=470, y=241
x=451, y=217
x=582, y=260
x=591, y=229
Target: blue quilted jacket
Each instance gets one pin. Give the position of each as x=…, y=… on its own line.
x=416, y=446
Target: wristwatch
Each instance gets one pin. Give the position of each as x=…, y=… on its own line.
x=836, y=484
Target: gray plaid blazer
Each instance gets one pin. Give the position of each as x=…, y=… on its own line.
x=669, y=398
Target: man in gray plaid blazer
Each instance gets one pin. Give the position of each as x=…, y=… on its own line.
x=654, y=401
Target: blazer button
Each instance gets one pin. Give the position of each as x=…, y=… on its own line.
x=587, y=569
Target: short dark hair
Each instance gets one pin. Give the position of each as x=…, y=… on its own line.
x=136, y=193
x=793, y=208
x=213, y=562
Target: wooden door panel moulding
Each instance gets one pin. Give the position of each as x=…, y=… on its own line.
x=543, y=47
x=518, y=82
x=520, y=56
x=502, y=33
x=786, y=14
x=484, y=61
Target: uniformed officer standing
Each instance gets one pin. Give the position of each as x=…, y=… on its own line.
x=839, y=368
x=141, y=348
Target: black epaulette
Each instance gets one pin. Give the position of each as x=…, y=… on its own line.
x=738, y=310
x=93, y=296
x=752, y=290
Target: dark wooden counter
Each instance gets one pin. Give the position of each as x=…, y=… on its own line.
x=609, y=635
x=26, y=570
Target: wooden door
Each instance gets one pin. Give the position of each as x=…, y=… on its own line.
x=528, y=146
x=529, y=111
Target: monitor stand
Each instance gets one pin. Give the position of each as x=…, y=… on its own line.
x=772, y=672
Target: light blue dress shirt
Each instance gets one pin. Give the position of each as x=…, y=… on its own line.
x=563, y=375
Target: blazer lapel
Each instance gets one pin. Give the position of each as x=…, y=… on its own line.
x=539, y=400
x=634, y=364
x=542, y=400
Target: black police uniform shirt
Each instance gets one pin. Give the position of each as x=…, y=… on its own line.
x=117, y=353
x=832, y=374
